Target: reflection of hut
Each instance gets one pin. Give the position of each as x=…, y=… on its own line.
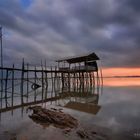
x=83, y=107
x=84, y=102
x=81, y=97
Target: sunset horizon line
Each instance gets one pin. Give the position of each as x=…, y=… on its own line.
x=113, y=71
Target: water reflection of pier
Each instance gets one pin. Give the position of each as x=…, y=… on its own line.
x=81, y=101
x=86, y=101
x=75, y=78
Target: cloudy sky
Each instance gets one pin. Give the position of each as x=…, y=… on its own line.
x=50, y=29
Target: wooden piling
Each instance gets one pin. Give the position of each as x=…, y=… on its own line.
x=6, y=88
x=62, y=79
x=27, y=81
x=46, y=81
x=42, y=73
x=52, y=82
x=55, y=78
x=46, y=77
x=35, y=84
x=12, y=99
x=98, y=82
x=42, y=79
x=101, y=76
x=22, y=82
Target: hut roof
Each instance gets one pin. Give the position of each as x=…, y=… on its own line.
x=82, y=58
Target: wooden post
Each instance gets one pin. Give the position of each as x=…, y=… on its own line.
x=42, y=75
x=62, y=79
x=6, y=80
x=27, y=81
x=58, y=80
x=86, y=79
x=12, y=85
x=90, y=75
x=93, y=79
x=89, y=79
x=69, y=79
x=101, y=81
x=1, y=61
x=52, y=81
x=22, y=82
x=74, y=84
x=58, y=76
x=46, y=78
x=35, y=84
x=101, y=76
x=77, y=80
x=42, y=79
x=83, y=80
x=98, y=82
x=79, y=75
x=55, y=78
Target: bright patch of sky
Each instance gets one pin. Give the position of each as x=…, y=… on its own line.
x=110, y=31
x=26, y=3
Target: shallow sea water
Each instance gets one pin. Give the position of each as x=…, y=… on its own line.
x=115, y=115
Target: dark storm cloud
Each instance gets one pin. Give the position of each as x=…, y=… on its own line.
x=51, y=29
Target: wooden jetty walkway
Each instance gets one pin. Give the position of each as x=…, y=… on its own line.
x=79, y=71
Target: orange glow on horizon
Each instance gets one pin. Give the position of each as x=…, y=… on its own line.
x=108, y=72
x=121, y=82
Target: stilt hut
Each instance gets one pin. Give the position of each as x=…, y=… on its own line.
x=78, y=69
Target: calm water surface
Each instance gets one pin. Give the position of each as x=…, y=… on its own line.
x=117, y=113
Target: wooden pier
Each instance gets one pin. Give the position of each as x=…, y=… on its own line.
x=69, y=74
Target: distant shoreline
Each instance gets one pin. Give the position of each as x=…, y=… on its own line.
x=135, y=76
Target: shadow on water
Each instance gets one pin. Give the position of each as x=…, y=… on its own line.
x=82, y=98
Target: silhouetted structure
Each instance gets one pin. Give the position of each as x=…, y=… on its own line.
x=72, y=75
